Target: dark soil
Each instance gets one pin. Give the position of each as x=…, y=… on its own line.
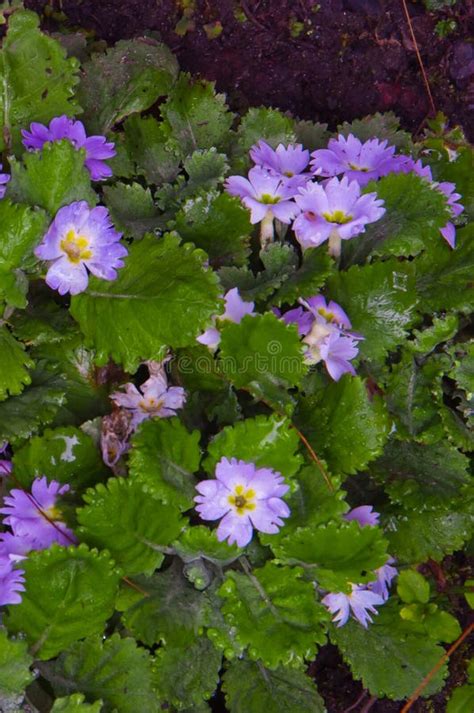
x=329, y=61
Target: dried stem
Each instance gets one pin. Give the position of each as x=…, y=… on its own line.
x=418, y=56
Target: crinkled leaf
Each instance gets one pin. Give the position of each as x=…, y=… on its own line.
x=199, y=542
x=312, y=135
x=163, y=459
x=274, y=613
x=378, y=126
x=15, y=663
x=14, y=365
x=130, y=523
x=461, y=700
x=442, y=329
x=206, y=170
x=147, y=143
x=316, y=267
x=70, y=593
x=413, y=587
x=75, y=704
x=270, y=125
x=251, y=688
x=162, y=284
x=128, y=78
x=65, y=454
x=37, y=79
x=132, y=209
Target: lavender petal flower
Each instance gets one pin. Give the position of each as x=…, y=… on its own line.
x=4, y=178
x=264, y=195
x=288, y=163
x=385, y=575
x=153, y=398
x=361, y=162
x=11, y=583
x=361, y=602
x=364, y=515
x=235, y=310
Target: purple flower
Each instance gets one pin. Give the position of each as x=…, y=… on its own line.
x=385, y=575
x=14, y=547
x=361, y=162
x=97, y=148
x=245, y=497
x=36, y=516
x=11, y=583
x=265, y=195
x=361, y=602
x=336, y=351
x=336, y=210
x=286, y=163
x=80, y=239
x=5, y=468
x=154, y=398
x=364, y=515
x=235, y=310
x=4, y=178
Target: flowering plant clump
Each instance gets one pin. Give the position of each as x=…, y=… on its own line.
x=235, y=392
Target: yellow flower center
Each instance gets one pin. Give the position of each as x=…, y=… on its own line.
x=288, y=174
x=242, y=499
x=267, y=199
x=337, y=216
x=150, y=405
x=355, y=167
x=53, y=513
x=76, y=247
x=328, y=316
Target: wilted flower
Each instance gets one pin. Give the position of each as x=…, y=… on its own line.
x=361, y=162
x=153, y=398
x=37, y=516
x=11, y=583
x=116, y=429
x=80, y=239
x=336, y=211
x=288, y=163
x=245, y=497
x=235, y=310
x=361, y=602
x=364, y=515
x=4, y=178
x=97, y=148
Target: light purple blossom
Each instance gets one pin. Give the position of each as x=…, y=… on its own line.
x=361, y=162
x=4, y=178
x=364, y=515
x=80, y=239
x=360, y=602
x=153, y=398
x=97, y=148
x=235, y=310
x=37, y=516
x=288, y=163
x=5, y=468
x=245, y=497
x=15, y=547
x=336, y=351
x=336, y=210
x=11, y=583
x=264, y=194
x=385, y=575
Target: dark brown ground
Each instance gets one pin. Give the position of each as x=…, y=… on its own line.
x=329, y=61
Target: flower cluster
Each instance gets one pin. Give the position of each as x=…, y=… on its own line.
x=243, y=497
x=362, y=599
x=325, y=329
x=36, y=523
x=235, y=310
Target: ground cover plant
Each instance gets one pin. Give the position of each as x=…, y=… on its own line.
x=236, y=392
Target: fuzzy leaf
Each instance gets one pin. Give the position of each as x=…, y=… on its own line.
x=250, y=688
x=115, y=670
x=274, y=612
x=70, y=593
x=270, y=125
x=206, y=169
x=65, y=454
x=381, y=302
x=14, y=365
x=37, y=79
x=132, y=209
x=15, y=664
x=128, y=78
x=121, y=517
x=75, y=704
x=316, y=267
x=161, y=284
x=163, y=459
x=52, y=177
x=199, y=542
x=148, y=145
x=344, y=426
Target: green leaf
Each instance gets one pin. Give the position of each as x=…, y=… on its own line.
x=115, y=670
x=442, y=329
x=37, y=79
x=75, y=704
x=132, y=209
x=461, y=700
x=251, y=688
x=316, y=267
x=15, y=664
x=121, y=517
x=65, y=454
x=128, y=78
x=413, y=587
x=21, y=228
x=339, y=552
x=274, y=612
x=173, y=612
x=70, y=593
x=199, y=542
x=52, y=177
x=463, y=368
x=148, y=146
x=378, y=126
x=115, y=316
x=313, y=135
x=42, y=322
x=270, y=125
x=219, y=225
x=195, y=116
x=14, y=365
x=411, y=657
x=261, y=350
x=267, y=441
x=206, y=170
x=163, y=459
x=22, y=415
x=344, y=425
x=187, y=676
x=381, y=302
